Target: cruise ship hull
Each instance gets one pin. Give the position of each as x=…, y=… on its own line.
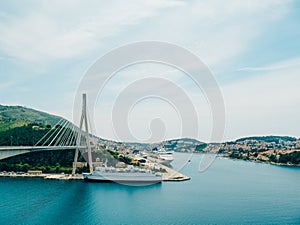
x=123, y=178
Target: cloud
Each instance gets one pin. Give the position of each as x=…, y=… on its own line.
x=277, y=66
x=267, y=103
x=5, y=85
x=215, y=31
x=60, y=30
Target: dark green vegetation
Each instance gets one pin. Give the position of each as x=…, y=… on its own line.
x=274, y=139
x=20, y=126
x=29, y=135
x=292, y=158
x=201, y=147
x=120, y=158
x=17, y=116
x=184, y=145
x=53, y=161
x=177, y=145
x=105, y=156
x=48, y=162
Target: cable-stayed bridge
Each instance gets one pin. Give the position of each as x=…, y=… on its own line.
x=63, y=136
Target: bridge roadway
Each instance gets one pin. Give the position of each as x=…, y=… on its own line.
x=9, y=151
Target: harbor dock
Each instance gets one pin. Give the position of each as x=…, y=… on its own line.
x=173, y=175
x=170, y=174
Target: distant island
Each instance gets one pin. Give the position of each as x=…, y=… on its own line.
x=21, y=126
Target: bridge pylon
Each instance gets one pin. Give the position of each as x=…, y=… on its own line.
x=83, y=121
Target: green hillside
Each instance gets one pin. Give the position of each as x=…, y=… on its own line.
x=18, y=116
x=267, y=139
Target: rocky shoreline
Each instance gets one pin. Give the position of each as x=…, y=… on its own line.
x=260, y=161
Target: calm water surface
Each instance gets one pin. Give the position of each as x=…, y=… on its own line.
x=228, y=192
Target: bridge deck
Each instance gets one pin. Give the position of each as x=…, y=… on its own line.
x=9, y=151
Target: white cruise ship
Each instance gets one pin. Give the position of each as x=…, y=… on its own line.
x=127, y=175
x=165, y=157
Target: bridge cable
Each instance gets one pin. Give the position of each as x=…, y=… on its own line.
x=66, y=136
x=67, y=141
x=60, y=130
x=61, y=137
x=50, y=130
x=56, y=129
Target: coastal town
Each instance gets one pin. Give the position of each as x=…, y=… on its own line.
x=280, y=150
x=158, y=157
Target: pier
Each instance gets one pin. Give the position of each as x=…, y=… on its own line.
x=172, y=175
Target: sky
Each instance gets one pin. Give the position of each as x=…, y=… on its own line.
x=252, y=48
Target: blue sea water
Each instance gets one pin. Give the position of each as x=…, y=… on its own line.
x=229, y=192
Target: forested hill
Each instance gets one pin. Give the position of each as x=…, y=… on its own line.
x=274, y=139
x=18, y=116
